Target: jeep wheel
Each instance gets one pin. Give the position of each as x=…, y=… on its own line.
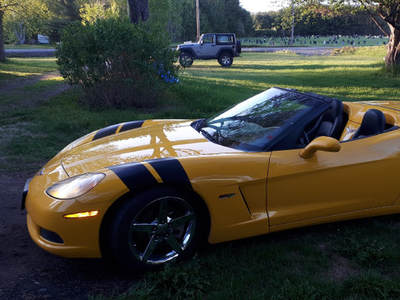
x=186, y=59
x=225, y=59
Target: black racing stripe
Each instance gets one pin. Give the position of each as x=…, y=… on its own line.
x=134, y=175
x=170, y=171
x=106, y=131
x=131, y=125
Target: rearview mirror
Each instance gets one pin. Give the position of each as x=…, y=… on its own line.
x=322, y=143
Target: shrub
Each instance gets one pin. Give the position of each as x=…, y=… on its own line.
x=118, y=64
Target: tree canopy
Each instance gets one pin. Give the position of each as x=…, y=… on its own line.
x=24, y=17
x=389, y=11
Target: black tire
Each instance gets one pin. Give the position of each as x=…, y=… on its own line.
x=225, y=59
x=156, y=227
x=238, y=47
x=186, y=59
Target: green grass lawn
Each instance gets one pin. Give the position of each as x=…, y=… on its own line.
x=349, y=260
x=208, y=88
x=19, y=68
x=26, y=46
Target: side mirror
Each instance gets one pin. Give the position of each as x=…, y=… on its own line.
x=322, y=143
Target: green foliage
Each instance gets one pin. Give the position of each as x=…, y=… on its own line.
x=9, y=35
x=262, y=20
x=160, y=11
x=215, y=16
x=317, y=18
x=225, y=16
x=91, y=12
x=183, y=20
x=24, y=19
x=64, y=13
x=180, y=281
x=301, y=290
x=372, y=285
x=364, y=250
x=117, y=64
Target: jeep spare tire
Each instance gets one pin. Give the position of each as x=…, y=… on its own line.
x=239, y=47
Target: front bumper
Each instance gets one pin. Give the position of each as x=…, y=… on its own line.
x=58, y=235
x=76, y=237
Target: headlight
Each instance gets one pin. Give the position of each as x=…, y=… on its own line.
x=75, y=187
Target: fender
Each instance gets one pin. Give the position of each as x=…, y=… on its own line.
x=189, y=50
x=227, y=49
x=150, y=173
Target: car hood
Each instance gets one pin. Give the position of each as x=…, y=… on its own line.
x=154, y=140
x=187, y=45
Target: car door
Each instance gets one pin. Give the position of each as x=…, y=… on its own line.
x=364, y=175
x=208, y=47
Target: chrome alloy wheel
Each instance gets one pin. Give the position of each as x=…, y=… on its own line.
x=186, y=60
x=162, y=230
x=226, y=60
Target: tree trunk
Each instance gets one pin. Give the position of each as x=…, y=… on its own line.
x=138, y=10
x=20, y=32
x=392, y=58
x=2, y=51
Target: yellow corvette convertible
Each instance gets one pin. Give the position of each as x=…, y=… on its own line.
x=148, y=192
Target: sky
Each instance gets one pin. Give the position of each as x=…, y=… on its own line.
x=254, y=6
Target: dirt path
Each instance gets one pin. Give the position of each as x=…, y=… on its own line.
x=27, y=271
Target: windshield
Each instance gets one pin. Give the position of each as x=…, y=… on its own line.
x=261, y=120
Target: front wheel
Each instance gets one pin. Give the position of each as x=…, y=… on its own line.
x=225, y=59
x=156, y=227
x=186, y=59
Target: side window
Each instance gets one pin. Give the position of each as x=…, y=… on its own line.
x=225, y=39
x=208, y=39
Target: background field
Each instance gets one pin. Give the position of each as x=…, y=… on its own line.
x=350, y=260
x=317, y=41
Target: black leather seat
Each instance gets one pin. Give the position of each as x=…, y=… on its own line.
x=331, y=123
x=373, y=122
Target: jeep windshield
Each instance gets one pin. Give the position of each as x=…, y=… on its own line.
x=271, y=120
